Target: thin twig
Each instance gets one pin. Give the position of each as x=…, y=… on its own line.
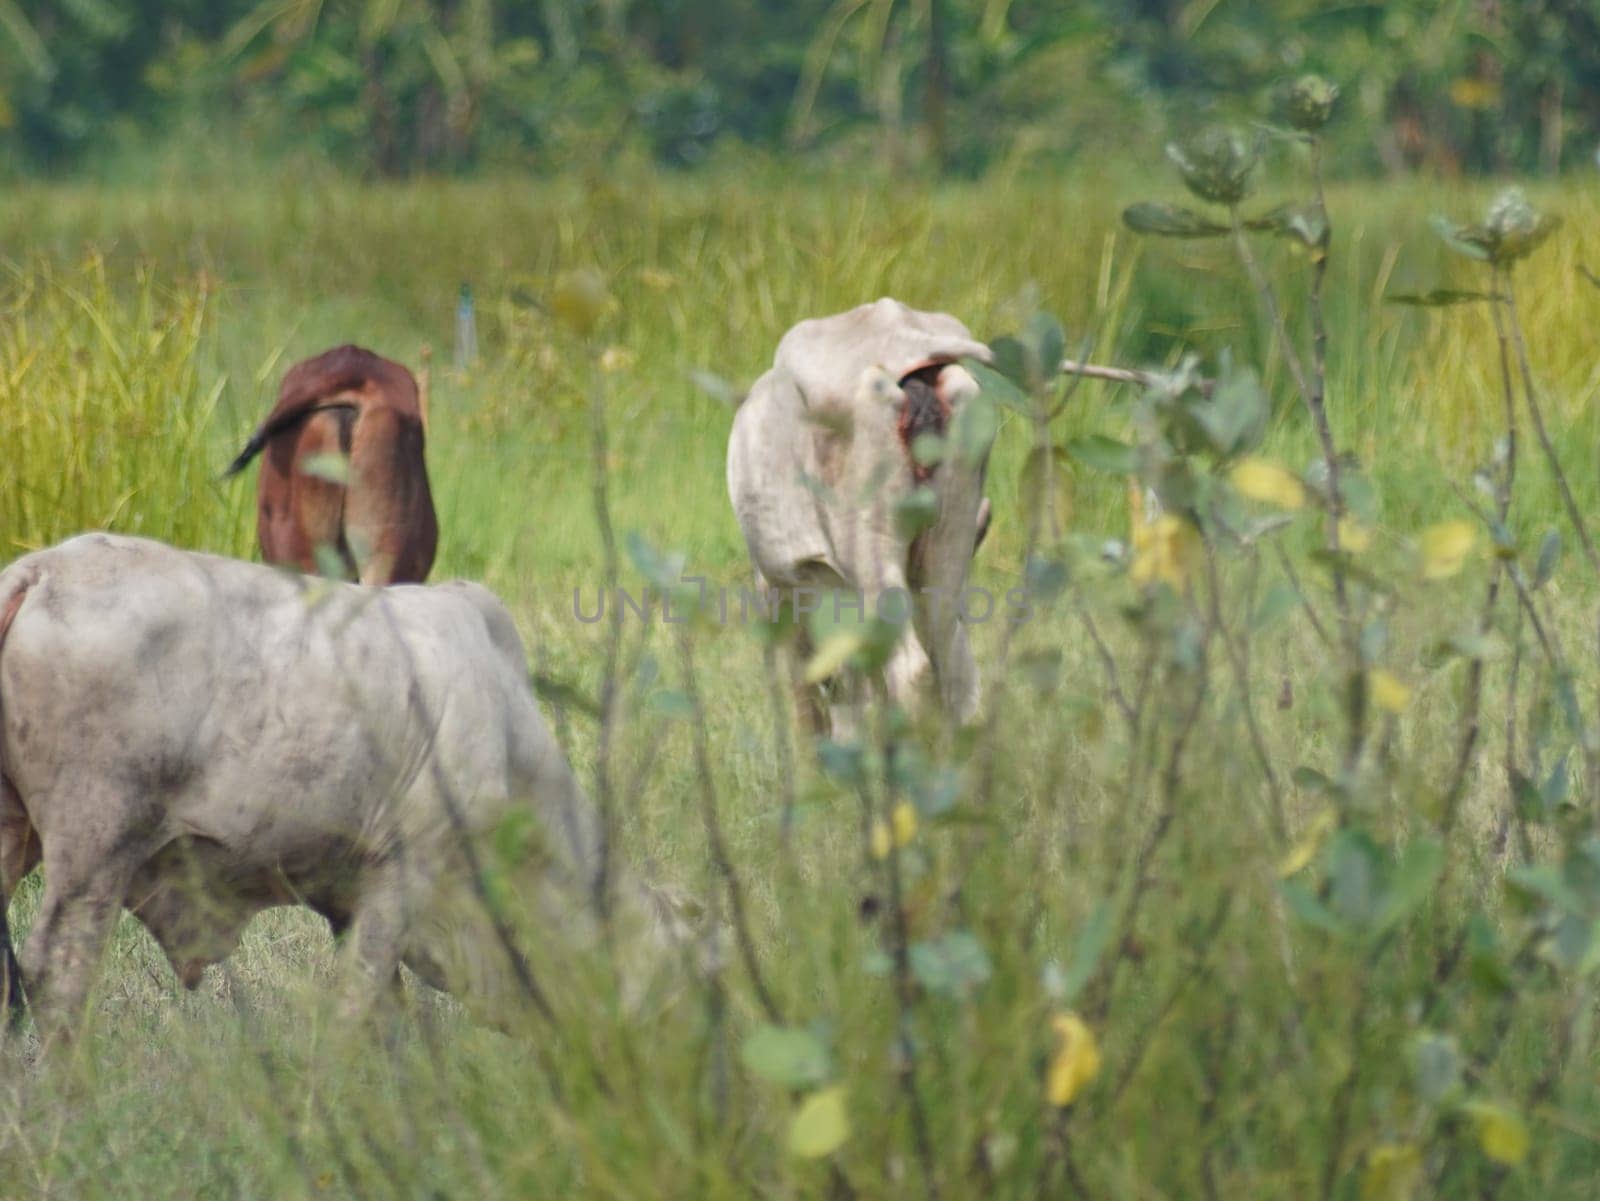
x=714, y=840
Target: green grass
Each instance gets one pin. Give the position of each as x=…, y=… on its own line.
x=143, y=334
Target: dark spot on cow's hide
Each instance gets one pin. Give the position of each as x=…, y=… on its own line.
x=155, y=648
x=164, y=772
x=51, y=599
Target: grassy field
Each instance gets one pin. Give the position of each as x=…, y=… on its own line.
x=1408, y=1012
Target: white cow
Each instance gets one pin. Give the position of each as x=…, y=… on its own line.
x=198, y=738
x=819, y=459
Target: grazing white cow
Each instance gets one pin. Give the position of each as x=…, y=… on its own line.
x=198, y=738
x=819, y=459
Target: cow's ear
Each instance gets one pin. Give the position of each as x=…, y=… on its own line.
x=879, y=387
x=956, y=384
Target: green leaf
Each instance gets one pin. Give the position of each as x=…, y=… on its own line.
x=927, y=450
x=1169, y=221
x=844, y=761
x=1571, y=946
x=938, y=791
x=1045, y=577
x=1105, y=454
x=1471, y=241
x=1549, y=559
x=1438, y=297
x=1313, y=780
x=951, y=966
x=1409, y=883
x=1279, y=601
x=1236, y=415
x=973, y=429
x=330, y=466
x=330, y=563
x=1553, y=793
x=1438, y=1066
x=1354, y=872
x=1581, y=871
x=716, y=387
x=1041, y=669
x=564, y=695
x=1087, y=951
x=1533, y=883
x=1305, y=907
x=792, y=1058
x=1044, y=482
x=916, y=511
x=662, y=571
x=670, y=703
x=1046, y=343
x=821, y=1125
x=832, y=654
x=1485, y=965
x=1011, y=361
x=998, y=387
x=1530, y=805
x=1374, y=637
x=1303, y=223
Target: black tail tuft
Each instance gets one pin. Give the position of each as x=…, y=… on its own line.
x=277, y=424
x=11, y=998
x=251, y=449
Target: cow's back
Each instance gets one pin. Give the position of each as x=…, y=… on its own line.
x=265, y=710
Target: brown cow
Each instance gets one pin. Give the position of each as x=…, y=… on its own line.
x=374, y=515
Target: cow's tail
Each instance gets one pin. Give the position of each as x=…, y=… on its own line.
x=276, y=425
x=11, y=995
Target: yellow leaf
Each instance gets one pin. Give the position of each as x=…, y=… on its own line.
x=1503, y=1135
x=580, y=300
x=614, y=359
x=1389, y=692
x=1392, y=1173
x=1467, y=91
x=904, y=821
x=1135, y=503
x=821, y=1125
x=833, y=654
x=1353, y=536
x=1304, y=851
x=1163, y=551
x=1260, y=480
x=1445, y=548
x=882, y=840
x=1076, y=1061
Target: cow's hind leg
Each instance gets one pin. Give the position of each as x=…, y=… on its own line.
x=19, y=853
x=19, y=843
x=375, y=939
x=88, y=867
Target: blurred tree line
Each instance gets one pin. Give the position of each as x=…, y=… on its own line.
x=391, y=87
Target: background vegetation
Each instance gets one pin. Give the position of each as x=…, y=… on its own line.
x=390, y=87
